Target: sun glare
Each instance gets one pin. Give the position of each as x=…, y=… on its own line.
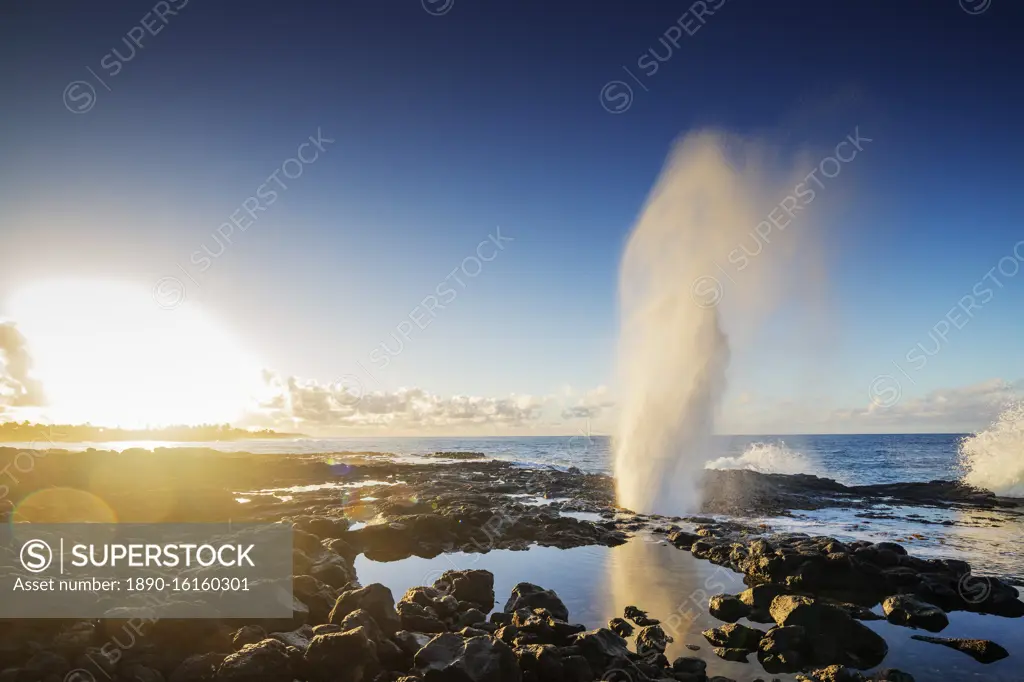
x=106, y=353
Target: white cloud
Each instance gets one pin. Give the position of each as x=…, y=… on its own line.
x=345, y=408
x=590, y=405
x=964, y=408
x=17, y=387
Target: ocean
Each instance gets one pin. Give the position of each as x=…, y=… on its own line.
x=850, y=459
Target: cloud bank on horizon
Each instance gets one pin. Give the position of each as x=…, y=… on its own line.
x=345, y=408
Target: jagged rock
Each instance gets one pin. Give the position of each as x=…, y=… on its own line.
x=639, y=616
x=472, y=632
x=838, y=673
x=905, y=609
x=325, y=628
x=530, y=596
x=341, y=657
x=831, y=634
x=600, y=647
x=475, y=586
x=266, y=661
x=734, y=655
x=651, y=638
x=690, y=665
x=376, y=599
x=470, y=617
x=298, y=638
x=449, y=657
x=418, y=618
x=621, y=627
x=832, y=673
x=316, y=594
x=734, y=636
x=542, y=662
x=759, y=600
x=981, y=650
x=360, y=618
x=683, y=539
x=248, y=634
x=410, y=642
x=727, y=607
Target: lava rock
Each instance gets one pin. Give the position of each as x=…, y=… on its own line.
x=734, y=636
x=651, y=638
x=477, y=659
x=832, y=635
x=639, y=616
x=905, y=609
x=981, y=650
x=341, y=657
x=542, y=662
x=621, y=627
x=376, y=599
x=475, y=586
x=266, y=661
x=530, y=596
x=248, y=634
x=734, y=655
x=600, y=647
x=727, y=607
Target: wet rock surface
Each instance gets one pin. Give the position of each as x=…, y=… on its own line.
x=813, y=592
x=981, y=650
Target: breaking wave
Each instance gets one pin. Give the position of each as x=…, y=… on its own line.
x=767, y=458
x=993, y=459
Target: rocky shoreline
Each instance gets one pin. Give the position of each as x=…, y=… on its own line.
x=813, y=592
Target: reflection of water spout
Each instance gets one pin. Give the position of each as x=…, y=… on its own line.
x=671, y=585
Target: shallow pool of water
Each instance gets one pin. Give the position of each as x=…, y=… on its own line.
x=597, y=583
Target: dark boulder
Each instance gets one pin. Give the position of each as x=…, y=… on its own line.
x=981, y=650
x=727, y=607
x=832, y=635
x=450, y=658
x=541, y=662
x=682, y=539
x=783, y=649
x=474, y=586
x=600, y=647
x=341, y=657
x=639, y=616
x=317, y=595
x=734, y=655
x=734, y=636
x=266, y=661
x=652, y=638
x=248, y=634
x=530, y=596
x=621, y=627
x=376, y=599
x=905, y=609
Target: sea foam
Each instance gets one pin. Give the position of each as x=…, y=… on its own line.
x=993, y=459
x=767, y=458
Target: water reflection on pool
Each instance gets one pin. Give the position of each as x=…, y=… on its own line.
x=597, y=583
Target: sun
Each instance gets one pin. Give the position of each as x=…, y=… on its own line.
x=108, y=354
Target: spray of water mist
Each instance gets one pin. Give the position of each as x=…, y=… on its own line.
x=678, y=278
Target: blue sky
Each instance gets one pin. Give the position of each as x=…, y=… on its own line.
x=447, y=127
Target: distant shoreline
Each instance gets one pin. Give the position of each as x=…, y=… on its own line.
x=15, y=432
